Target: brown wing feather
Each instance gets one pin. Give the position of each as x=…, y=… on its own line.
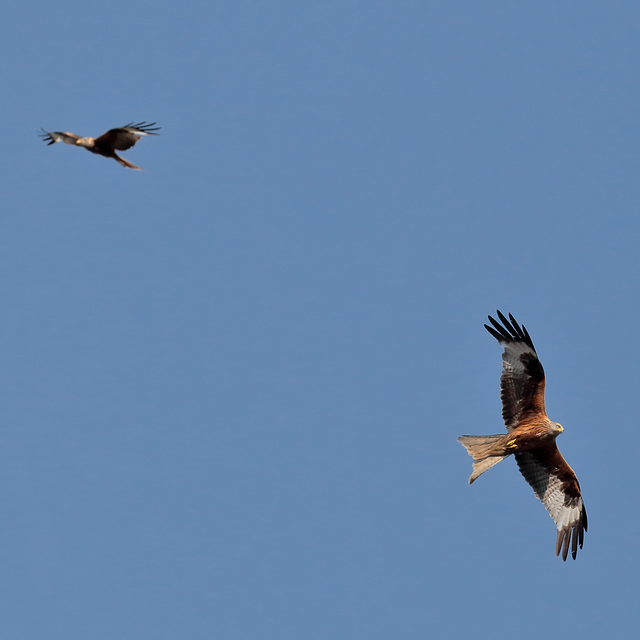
x=117, y=139
x=123, y=138
x=556, y=485
x=522, y=382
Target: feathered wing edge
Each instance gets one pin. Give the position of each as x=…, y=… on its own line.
x=144, y=127
x=510, y=332
x=123, y=138
x=522, y=382
x=556, y=485
x=51, y=137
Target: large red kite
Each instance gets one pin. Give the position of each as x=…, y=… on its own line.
x=531, y=436
x=108, y=143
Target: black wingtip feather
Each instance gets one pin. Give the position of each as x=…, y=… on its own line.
x=509, y=330
x=502, y=332
x=47, y=137
x=494, y=333
x=146, y=127
x=573, y=536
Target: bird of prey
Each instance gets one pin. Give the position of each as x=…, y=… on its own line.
x=108, y=143
x=531, y=436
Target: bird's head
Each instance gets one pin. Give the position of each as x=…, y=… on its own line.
x=558, y=428
x=84, y=142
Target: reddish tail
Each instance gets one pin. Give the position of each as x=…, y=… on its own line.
x=486, y=452
x=125, y=163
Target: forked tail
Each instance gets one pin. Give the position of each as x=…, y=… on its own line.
x=125, y=163
x=486, y=452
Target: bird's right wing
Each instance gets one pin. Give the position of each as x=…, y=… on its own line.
x=124, y=138
x=522, y=382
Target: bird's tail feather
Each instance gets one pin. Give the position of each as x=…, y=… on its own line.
x=486, y=452
x=126, y=163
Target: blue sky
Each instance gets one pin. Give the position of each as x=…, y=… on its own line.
x=231, y=385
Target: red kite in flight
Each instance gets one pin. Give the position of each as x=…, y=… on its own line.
x=531, y=436
x=108, y=143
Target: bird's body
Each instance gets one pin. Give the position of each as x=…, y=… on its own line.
x=108, y=143
x=531, y=436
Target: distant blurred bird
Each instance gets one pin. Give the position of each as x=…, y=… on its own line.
x=108, y=143
x=530, y=436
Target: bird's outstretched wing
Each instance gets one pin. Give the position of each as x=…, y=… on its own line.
x=123, y=138
x=522, y=382
x=555, y=483
x=51, y=137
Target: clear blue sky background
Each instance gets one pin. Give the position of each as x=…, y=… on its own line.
x=231, y=385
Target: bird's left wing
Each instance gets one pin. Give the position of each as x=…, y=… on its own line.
x=556, y=485
x=51, y=137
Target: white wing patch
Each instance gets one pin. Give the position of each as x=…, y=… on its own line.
x=511, y=355
x=549, y=490
x=570, y=519
x=564, y=516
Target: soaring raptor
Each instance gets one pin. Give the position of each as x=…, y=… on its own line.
x=108, y=143
x=531, y=436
